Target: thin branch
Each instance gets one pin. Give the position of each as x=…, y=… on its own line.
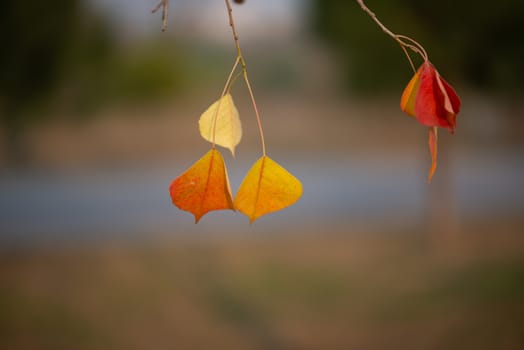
x=240, y=58
x=164, y=4
x=401, y=39
x=374, y=17
x=235, y=34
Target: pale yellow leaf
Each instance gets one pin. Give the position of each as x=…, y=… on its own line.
x=222, y=127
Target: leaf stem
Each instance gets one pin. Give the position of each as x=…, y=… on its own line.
x=240, y=58
x=227, y=86
x=259, y=123
x=404, y=41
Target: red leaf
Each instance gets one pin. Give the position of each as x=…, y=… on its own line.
x=430, y=99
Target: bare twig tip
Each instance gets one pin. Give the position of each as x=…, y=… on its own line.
x=164, y=4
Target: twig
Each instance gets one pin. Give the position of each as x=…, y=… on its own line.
x=374, y=17
x=405, y=42
x=164, y=4
x=240, y=58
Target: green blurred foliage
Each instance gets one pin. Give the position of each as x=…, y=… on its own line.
x=143, y=73
x=60, y=54
x=480, y=44
x=60, y=58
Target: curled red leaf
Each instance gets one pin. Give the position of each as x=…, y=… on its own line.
x=430, y=99
x=433, y=102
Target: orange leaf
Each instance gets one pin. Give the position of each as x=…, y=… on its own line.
x=407, y=101
x=267, y=187
x=433, y=137
x=203, y=187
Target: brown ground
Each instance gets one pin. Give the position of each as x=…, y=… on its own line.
x=278, y=291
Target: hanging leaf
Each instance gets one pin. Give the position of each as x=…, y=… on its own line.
x=267, y=187
x=203, y=187
x=430, y=99
x=227, y=129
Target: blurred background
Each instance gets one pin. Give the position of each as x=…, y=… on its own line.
x=98, y=114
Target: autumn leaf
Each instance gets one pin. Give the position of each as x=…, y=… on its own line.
x=267, y=187
x=430, y=99
x=433, y=102
x=223, y=127
x=203, y=187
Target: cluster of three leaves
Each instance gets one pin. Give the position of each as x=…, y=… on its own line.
x=204, y=187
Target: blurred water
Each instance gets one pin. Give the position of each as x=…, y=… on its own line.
x=342, y=191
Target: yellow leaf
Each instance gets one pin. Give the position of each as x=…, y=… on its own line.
x=267, y=187
x=409, y=96
x=203, y=187
x=227, y=129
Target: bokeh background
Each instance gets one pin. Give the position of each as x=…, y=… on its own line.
x=99, y=114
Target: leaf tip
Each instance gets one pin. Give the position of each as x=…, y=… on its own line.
x=197, y=218
x=433, y=139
